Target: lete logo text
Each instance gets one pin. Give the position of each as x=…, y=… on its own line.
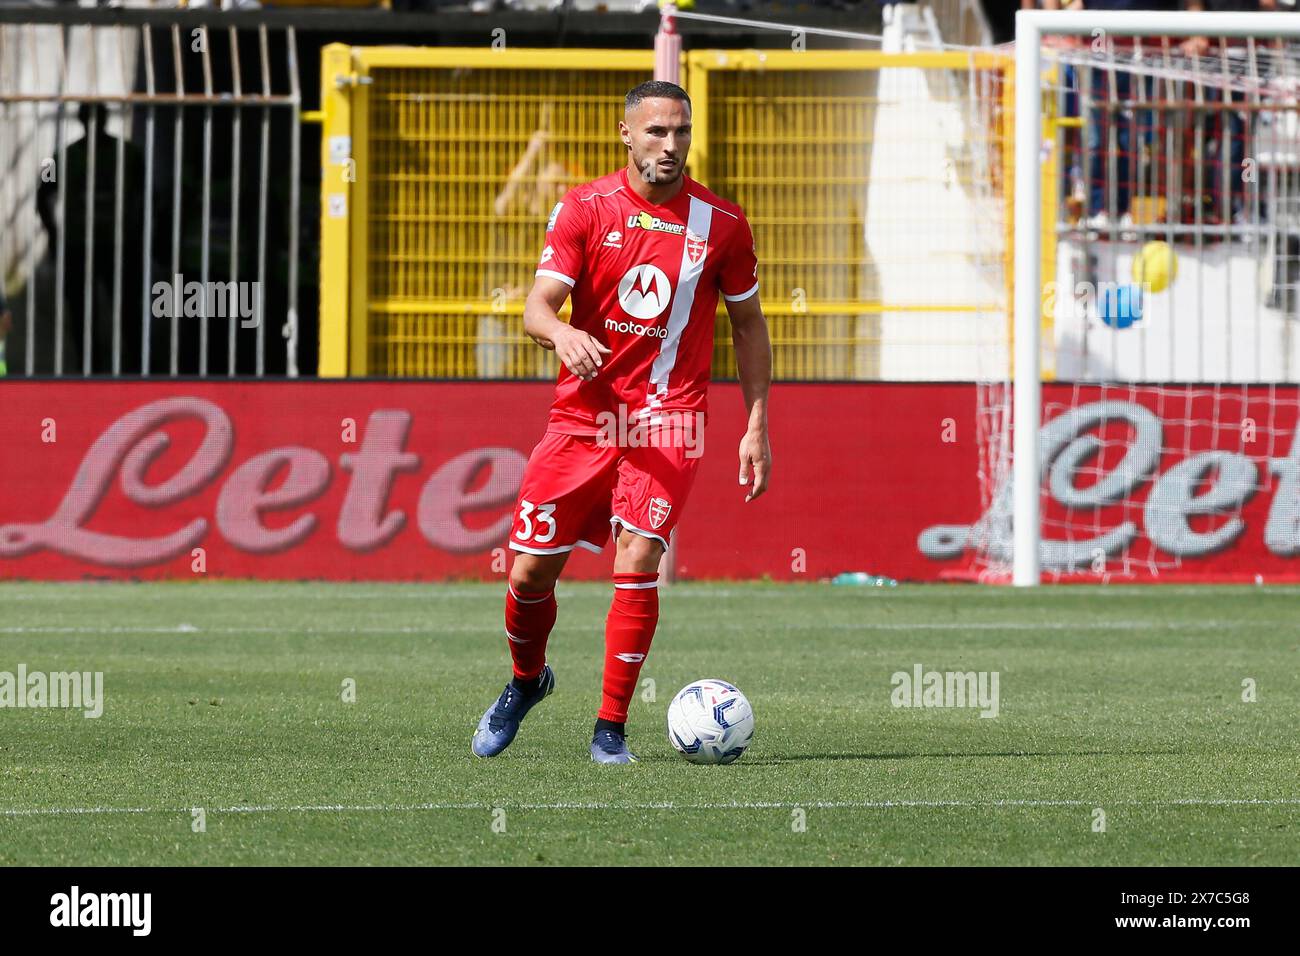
x=254, y=493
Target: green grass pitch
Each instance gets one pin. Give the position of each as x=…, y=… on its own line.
x=228, y=697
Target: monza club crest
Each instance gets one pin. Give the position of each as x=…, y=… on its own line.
x=695, y=246
x=658, y=511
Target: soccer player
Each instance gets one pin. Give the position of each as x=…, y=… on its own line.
x=644, y=252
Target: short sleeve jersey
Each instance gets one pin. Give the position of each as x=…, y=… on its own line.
x=645, y=281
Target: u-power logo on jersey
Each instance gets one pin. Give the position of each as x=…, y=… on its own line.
x=644, y=293
x=643, y=220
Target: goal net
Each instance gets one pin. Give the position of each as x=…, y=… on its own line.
x=1157, y=241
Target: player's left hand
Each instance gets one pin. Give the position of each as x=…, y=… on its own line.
x=755, y=459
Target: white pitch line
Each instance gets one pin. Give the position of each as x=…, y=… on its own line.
x=666, y=805
x=287, y=630
x=263, y=592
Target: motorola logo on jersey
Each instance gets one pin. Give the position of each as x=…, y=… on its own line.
x=644, y=291
x=636, y=328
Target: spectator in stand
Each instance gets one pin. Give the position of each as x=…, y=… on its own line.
x=1225, y=130
x=1199, y=46
x=1107, y=85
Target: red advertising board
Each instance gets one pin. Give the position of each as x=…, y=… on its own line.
x=360, y=480
x=1170, y=482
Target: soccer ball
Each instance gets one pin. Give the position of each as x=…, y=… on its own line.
x=710, y=721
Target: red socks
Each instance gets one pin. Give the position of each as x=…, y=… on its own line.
x=629, y=629
x=529, y=619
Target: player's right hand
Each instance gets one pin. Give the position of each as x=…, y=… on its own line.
x=580, y=353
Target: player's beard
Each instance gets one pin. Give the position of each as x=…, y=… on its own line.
x=652, y=172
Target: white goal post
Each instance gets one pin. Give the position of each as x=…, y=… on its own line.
x=1031, y=28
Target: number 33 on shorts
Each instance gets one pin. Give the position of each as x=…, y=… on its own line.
x=537, y=522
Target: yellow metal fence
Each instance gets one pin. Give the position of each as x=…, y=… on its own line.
x=440, y=167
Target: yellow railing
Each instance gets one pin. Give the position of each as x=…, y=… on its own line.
x=441, y=165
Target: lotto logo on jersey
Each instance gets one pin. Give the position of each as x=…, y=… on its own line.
x=658, y=511
x=644, y=291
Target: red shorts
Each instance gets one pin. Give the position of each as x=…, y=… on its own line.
x=575, y=488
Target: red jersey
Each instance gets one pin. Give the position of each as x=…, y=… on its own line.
x=645, y=281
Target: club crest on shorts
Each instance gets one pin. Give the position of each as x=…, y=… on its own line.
x=694, y=247
x=658, y=510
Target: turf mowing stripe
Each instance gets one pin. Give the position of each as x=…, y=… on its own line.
x=433, y=590
x=1177, y=627
x=667, y=805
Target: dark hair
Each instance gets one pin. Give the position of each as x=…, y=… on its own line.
x=654, y=89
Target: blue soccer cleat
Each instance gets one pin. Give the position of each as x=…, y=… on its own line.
x=499, y=725
x=609, y=746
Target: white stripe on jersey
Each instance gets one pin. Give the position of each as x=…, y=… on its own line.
x=558, y=275
x=600, y=195
x=741, y=296
x=716, y=208
x=698, y=221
